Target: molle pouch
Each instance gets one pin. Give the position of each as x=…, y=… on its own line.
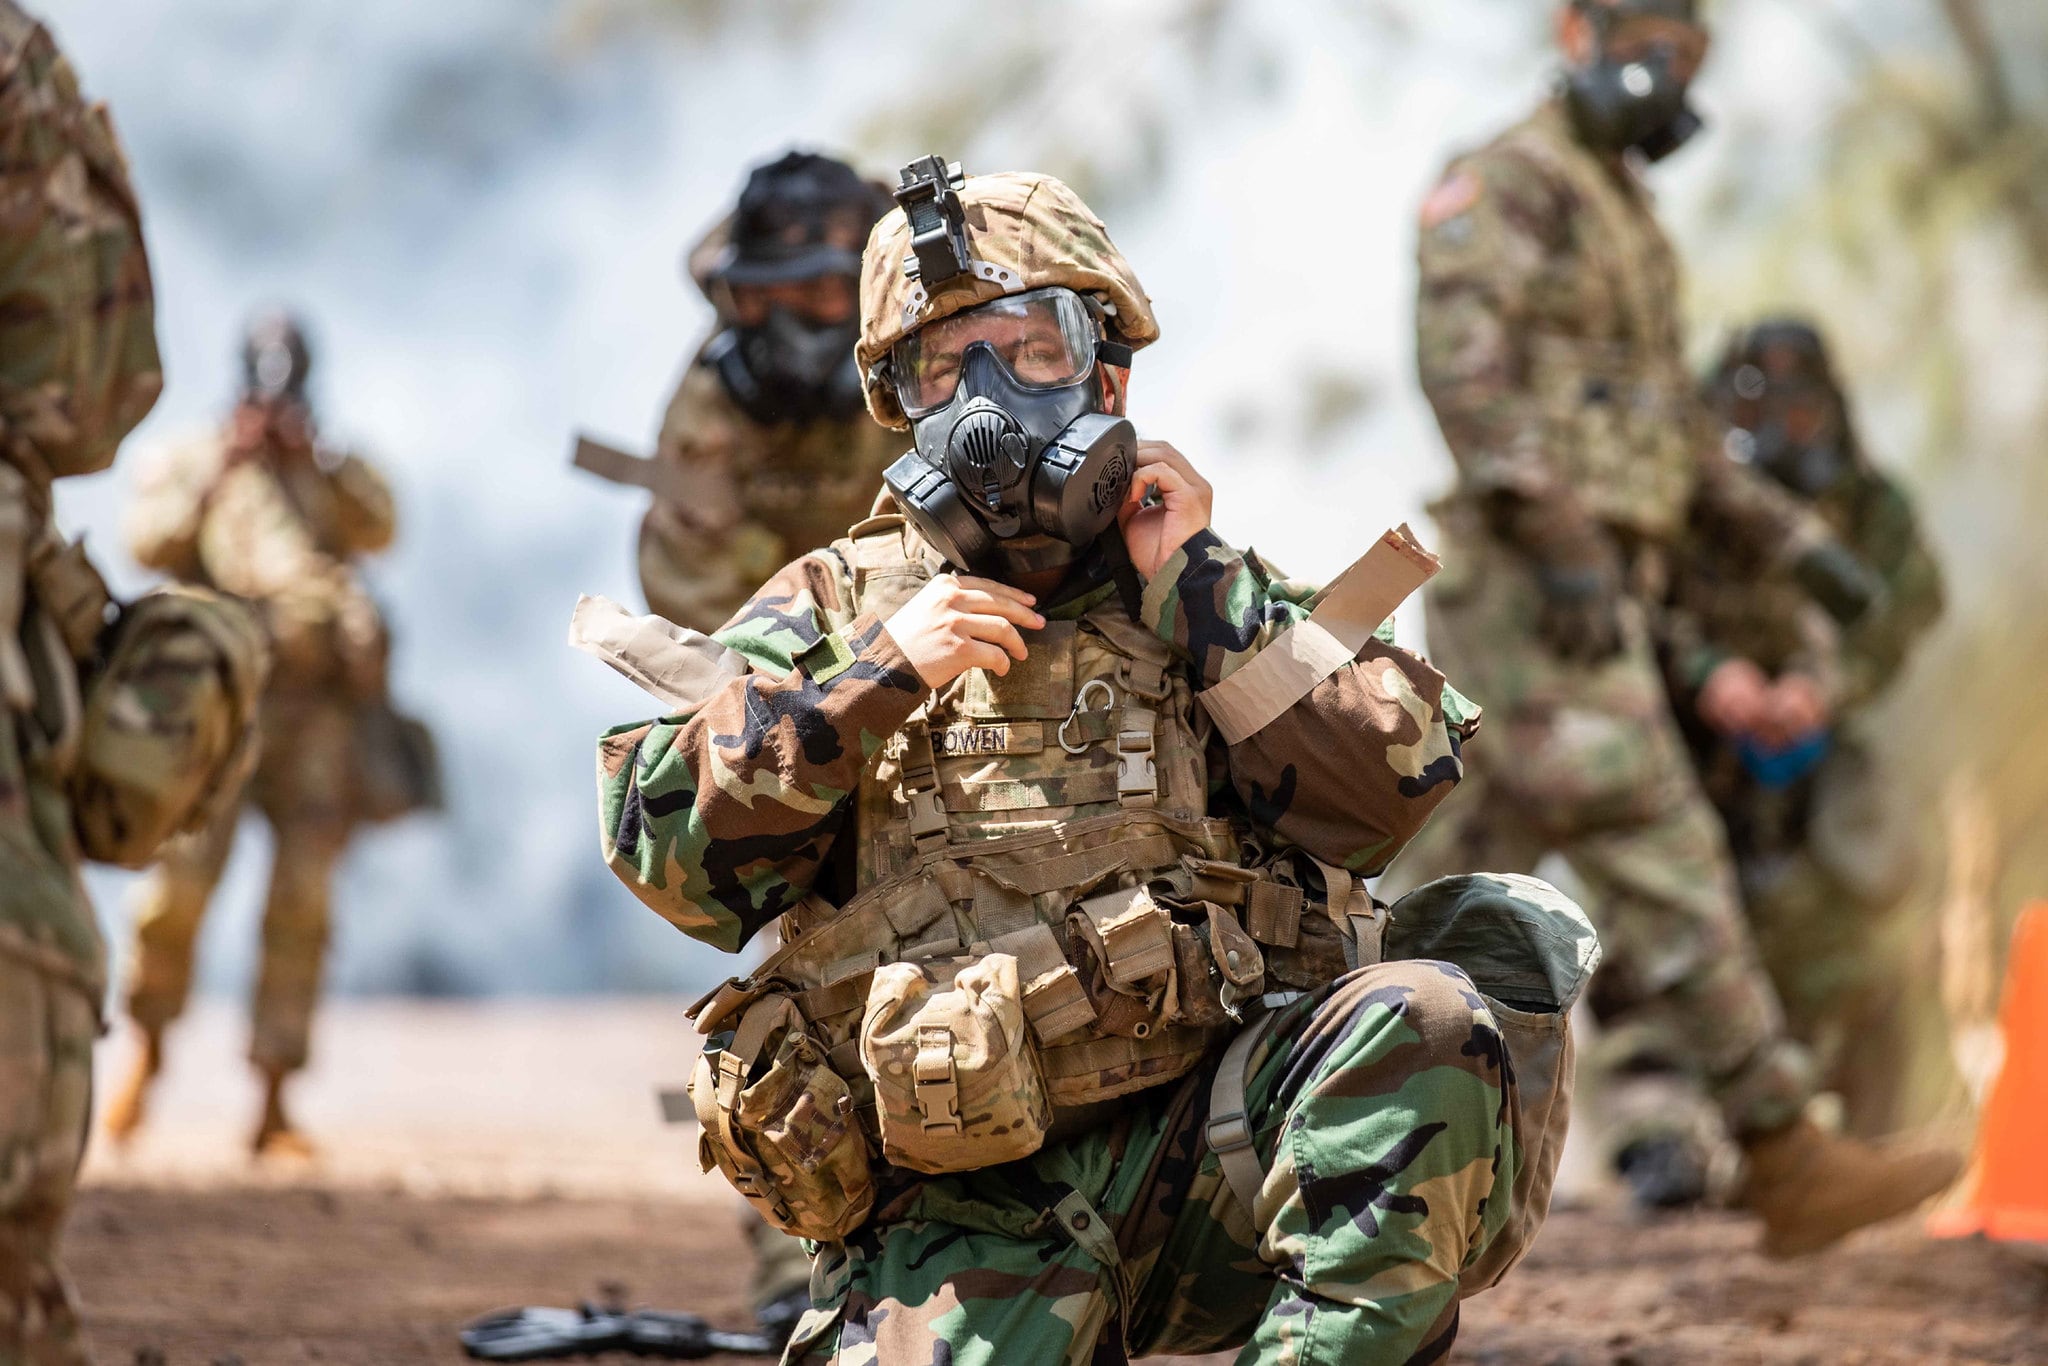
x=781, y=1125
x=1125, y=941
x=169, y=733
x=1055, y=1002
x=957, y=1082
x=1240, y=967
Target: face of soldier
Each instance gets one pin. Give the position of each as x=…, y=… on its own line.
x=796, y=341
x=1787, y=423
x=1022, y=456
x=822, y=301
x=1627, y=78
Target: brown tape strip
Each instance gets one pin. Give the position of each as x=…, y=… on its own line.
x=1342, y=619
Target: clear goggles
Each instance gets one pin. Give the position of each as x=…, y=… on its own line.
x=1045, y=338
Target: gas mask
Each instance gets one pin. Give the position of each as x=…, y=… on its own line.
x=1788, y=416
x=788, y=368
x=1809, y=469
x=1640, y=104
x=1011, y=442
x=276, y=361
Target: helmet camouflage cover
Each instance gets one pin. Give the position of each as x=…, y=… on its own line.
x=1024, y=231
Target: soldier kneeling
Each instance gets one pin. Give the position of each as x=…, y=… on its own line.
x=1085, y=1038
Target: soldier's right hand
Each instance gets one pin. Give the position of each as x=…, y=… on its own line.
x=957, y=622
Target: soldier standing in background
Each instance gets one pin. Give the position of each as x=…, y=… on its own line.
x=767, y=428
x=116, y=721
x=265, y=512
x=1551, y=349
x=1771, y=696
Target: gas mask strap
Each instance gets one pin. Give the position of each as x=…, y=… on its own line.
x=1130, y=588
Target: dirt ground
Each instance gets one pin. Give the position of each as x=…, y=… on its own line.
x=499, y=1165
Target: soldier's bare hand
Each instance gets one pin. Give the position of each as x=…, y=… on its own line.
x=957, y=622
x=1186, y=503
x=1795, y=708
x=1734, y=697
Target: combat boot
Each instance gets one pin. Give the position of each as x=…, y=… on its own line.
x=1811, y=1187
x=276, y=1135
x=130, y=1104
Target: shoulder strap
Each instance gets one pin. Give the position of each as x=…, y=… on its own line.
x=1229, y=1131
x=881, y=549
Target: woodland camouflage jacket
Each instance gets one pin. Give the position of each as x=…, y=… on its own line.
x=723, y=817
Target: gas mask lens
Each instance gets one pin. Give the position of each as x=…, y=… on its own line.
x=1044, y=338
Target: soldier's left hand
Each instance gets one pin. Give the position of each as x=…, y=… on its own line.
x=1185, y=505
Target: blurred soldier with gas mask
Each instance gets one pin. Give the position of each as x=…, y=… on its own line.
x=1772, y=696
x=768, y=419
x=1550, y=346
x=119, y=723
x=268, y=513
x=1084, y=1039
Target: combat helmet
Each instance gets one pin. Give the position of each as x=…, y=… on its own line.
x=1016, y=231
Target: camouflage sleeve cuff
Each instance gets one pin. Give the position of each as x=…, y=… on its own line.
x=1214, y=604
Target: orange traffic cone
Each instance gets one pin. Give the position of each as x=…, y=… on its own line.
x=2008, y=1197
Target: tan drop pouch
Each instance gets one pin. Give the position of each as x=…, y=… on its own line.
x=957, y=1082
x=781, y=1124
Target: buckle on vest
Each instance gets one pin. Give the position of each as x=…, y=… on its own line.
x=1137, y=776
x=1228, y=1133
x=937, y=1083
x=927, y=813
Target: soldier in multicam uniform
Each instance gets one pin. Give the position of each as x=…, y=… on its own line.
x=115, y=719
x=1823, y=851
x=768, y=420
x=265, y=512
x=1550, y=348
x=1085, y=1038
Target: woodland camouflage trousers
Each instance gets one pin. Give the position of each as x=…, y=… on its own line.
x=1382, y=1114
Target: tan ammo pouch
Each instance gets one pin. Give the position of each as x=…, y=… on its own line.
x=957, y=1083
x=169, y=732
x=781, y=1125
